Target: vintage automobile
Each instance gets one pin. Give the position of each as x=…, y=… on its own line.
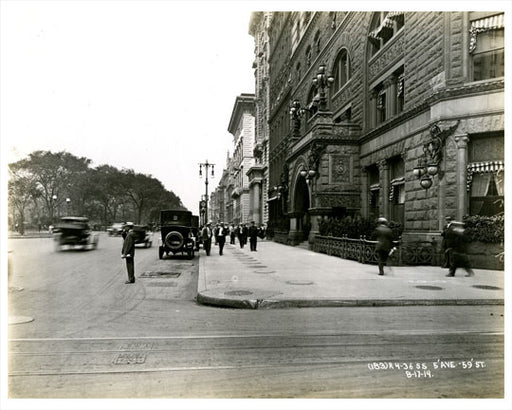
x=73, y=232
x=115, y=229
x=176, y=233
x=143, y=235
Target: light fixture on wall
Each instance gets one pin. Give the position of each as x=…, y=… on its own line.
x=309, y=174
x=321, y=82
x=429, y=163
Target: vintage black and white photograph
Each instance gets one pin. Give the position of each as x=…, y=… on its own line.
x=237, y=201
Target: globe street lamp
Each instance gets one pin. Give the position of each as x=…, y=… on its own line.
x=321, y=82
x=206, y=165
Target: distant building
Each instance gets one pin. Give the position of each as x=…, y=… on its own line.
x=243, y=194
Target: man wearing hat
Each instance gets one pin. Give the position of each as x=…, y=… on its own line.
x=128, y=251
x=206, y=236
x=221, y=237
x=384, y=244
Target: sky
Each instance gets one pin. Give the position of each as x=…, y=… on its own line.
x=148, y=86
x=142, y=85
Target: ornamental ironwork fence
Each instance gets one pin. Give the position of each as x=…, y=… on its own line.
x=363, y=250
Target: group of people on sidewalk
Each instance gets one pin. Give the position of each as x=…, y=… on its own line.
x=219, y=233
x=453, y=246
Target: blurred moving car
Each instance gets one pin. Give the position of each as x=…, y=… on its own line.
x=143, y=235
x=73, y=232
x=115, y=229
x=176, y=233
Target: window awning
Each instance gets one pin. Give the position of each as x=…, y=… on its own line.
x=486, y=24
x=387, y=23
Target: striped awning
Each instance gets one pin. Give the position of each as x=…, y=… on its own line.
x=489, y=23
x=482, y=25
x=488, y=166
x=386, y=23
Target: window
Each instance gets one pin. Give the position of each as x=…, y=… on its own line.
x=381, y=104
x=317, y=42
x=486, y=175
x=341, y=70
x=383, y=27
x=397, y=189
x=487, y=47
x=374, y=188
x=308, y=56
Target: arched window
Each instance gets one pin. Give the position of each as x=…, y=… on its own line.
x=317, y=42
x=383, y=27
x=341, y=71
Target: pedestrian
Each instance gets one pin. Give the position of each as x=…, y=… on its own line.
x=232, y=234
x=253, y=236
x=221, y=237
x=384, y=244
x=128, y=251
x=242, y=236
x=261, y=231
x=444, y=249
x=456, y=243
x=206, y=236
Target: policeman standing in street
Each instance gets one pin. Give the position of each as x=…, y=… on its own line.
x=128, y=251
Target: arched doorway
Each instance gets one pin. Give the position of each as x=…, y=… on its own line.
x=301, y=207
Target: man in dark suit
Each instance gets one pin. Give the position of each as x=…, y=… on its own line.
x=206, y=236
x=221, y=237
x=384, y=244
x=128, y=251
x=253, y=236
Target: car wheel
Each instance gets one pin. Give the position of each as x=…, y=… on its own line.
x=174, y=240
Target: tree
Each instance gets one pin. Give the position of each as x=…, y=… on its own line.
x=22, y=188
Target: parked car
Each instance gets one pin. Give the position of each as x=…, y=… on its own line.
x=73, y=232
x=115, y=229
x=176, y=233
x=143, y=235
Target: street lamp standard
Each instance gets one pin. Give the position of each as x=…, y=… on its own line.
x=206, y=165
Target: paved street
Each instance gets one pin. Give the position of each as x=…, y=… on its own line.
x=92, y=336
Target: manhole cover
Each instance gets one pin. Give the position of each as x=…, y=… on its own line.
x=427, y=287
x=163, y=284
x=238, y=293
x=486, y=287
x=265, y=271
x=159, y=274
x=299, y=282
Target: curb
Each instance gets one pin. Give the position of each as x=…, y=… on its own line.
x=306, y=303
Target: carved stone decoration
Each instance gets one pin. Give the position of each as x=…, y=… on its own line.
x=433, y=148
x=340, y=168
x=315, y=154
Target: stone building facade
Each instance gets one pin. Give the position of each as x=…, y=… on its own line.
x=244, y=193
x=405, y=118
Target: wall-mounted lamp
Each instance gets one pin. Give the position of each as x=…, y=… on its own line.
x=428, y=163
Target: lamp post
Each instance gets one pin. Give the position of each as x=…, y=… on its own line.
x=296, y=113
x=321, y=82
x=68, y=202
x=54, y=199
x=206, y=166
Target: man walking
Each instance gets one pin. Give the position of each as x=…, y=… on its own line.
x=384, y=242
x=221, y=237
x=456, y=243
x=242, y=236
x=128, y=251
x=253, y=236
x=206, y=236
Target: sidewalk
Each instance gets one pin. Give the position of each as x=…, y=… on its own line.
x=280, y=276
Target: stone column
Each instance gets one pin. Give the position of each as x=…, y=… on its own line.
x=462, y=162
x=384, y=182
x=256, y=205
x=390, y=86
x=364, y=193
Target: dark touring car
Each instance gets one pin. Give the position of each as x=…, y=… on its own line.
x=73, y=232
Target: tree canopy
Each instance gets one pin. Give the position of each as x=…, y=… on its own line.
x=46, y=185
